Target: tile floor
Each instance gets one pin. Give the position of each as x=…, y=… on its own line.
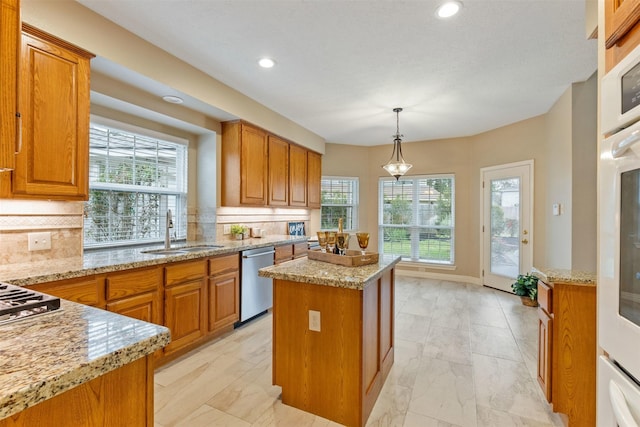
x=464, y=356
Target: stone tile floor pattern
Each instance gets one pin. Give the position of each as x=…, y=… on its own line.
x=465, y=355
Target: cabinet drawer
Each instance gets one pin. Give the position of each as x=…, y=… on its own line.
x=545, y=294
x=300, y=249
x=283, y=253
x=224, y=264
x=83, y=290
x=133, y=282
x=185, y=272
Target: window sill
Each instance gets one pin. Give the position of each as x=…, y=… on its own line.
x=425, y=265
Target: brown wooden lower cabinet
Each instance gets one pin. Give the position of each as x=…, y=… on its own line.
x=87, y=290
x=337, y=372
x=122, y=397
x=142, y=307
x=567, y=349
x=223, y=292
x=197, y=300
x=183, y=309
x=136, y=293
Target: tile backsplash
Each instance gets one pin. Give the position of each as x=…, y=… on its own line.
x=18, y=218
x=64, y=220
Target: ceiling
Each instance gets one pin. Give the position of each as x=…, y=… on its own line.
x=343, y=65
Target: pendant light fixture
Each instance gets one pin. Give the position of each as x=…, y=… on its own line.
x=396, y=166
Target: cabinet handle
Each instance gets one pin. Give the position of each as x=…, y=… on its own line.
x=19, y=130
x=260, y=254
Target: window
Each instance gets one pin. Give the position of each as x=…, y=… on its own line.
x=339, y=199
x=133, y=179
x=417, y=218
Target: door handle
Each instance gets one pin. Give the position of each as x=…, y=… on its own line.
x=524, y=241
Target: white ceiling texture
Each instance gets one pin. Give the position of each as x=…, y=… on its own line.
x=343, y=65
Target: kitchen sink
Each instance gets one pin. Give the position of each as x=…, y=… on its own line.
x=199, y=248
x=182, y=250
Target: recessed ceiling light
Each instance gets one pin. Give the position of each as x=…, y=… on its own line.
x=266, y=62
x=172, y=99
x=448, y=9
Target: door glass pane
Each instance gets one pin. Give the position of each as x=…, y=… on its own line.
x=505, y=227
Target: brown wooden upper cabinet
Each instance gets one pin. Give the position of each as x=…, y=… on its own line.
x=52, y=161
x=314, y=175
x=622, y=32
x=278, y=171
x=9, y=53
x=262, y=169
x=244, y=165
x=297, y=176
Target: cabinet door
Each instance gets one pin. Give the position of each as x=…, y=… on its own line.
x=314, y=176
x=278, y=171
x=300, y=249
x=545, y=331
x=223, y=295
x=622, y=33
x=9, y=53
x=183, y=314
x=144, y=307
x=54, y=104
x=297, y=176
x=283, y=253
x=253, y=166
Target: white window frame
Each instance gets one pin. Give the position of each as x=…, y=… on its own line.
x=414, y=228
x=354, y=205
x=180, y=193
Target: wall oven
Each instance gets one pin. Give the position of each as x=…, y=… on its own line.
x=619, y=237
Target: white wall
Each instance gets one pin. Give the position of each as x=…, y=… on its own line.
x=559, y=176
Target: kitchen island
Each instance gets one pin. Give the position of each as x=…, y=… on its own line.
x=78, y=366
x=333, y=335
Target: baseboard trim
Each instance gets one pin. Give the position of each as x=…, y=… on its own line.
x=439, y=276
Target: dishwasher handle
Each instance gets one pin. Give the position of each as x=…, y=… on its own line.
x=257, y=255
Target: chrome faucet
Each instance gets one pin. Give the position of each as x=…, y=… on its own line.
x=169, y=226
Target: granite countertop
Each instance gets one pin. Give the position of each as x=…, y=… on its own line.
x=324, y=273
x=108, y=260
x=576, y=277
x=89, y=343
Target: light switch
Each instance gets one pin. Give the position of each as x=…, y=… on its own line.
x=556, y=209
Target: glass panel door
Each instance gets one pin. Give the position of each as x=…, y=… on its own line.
x=507, y=247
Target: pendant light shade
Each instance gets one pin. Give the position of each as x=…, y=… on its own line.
x=396, y=166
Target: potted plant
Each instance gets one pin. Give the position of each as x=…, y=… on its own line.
x=526, y=287
x=238, y=231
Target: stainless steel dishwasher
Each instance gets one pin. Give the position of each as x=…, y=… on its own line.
x=256, y=293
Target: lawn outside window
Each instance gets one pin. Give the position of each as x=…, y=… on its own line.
x=417, y=218
x=135, y=175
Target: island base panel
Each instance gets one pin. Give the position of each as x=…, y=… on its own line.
x=338, y=372
x=122, y=397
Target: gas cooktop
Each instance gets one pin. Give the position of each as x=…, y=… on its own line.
x=17, y=303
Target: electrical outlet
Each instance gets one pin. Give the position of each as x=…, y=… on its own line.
x=39, y=241
x=226, y=229
x=314, y=320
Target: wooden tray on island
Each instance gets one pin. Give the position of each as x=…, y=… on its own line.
x=350, y=259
